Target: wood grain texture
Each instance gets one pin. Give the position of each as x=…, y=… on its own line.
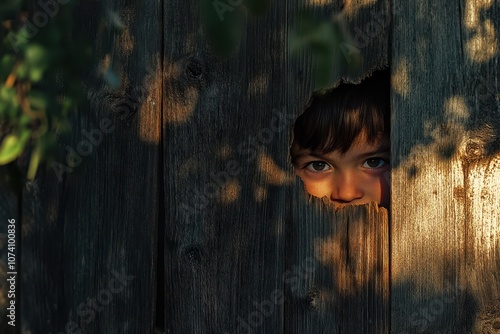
x=341, y=284
x=9, y=209
x=445, y=145
x=225, y=151
x=89, y=235
x=226, y=180
x=334, y=281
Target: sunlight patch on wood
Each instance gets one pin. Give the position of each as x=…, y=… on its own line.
x=483, y=45
x=437, y=171
x=352, y=7
x=105, y=63
x=334, y=254
x=150, y=108
x=456, y=110
x=125, y=42
x=319, y=2
x=483, y=203
x=271, y=172
x=356, y=252
x=400, y=80
x=224, y=151
x=258, y=85
x=230, y=192
x=473, y=10
x=183, y=98
x=260, y=194
x=433, y=184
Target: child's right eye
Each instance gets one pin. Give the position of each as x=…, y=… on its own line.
x=317, y=166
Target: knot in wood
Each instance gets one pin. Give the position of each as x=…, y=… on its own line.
x=123, y=105
x=192, y=254
x=473, y=150
x=311, y=299
x=194, y=69
x=194, y=72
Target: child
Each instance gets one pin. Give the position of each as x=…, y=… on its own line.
x=341, y=143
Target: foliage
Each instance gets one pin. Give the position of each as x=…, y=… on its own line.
x=325, y=40
x=224, y=21
x=42, y=63
x=322, y=39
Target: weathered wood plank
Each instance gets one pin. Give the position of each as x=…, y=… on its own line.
x=89, y=237
x=9, y=209
x=341, y=285
x=225, y=149
x=446, y=148
x=335, y=283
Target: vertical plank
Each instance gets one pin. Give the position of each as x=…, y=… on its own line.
x=225, y=151
x=337, y=265
x=89, y=233
x=445, y=140
x=9, y=209
x=342, y=284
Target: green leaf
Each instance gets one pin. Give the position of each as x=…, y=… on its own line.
x=36, y=157
x=37, y=58
x=36, y=74
x=12, y=146
x=6, y=65
x=36, y=54
x=22, y=71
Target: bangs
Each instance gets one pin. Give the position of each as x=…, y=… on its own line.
x=334, y=120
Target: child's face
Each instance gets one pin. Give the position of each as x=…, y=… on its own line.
x=360, y=176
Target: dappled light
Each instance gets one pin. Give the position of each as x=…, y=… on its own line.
x=436, y=164
x=260, y=194
x=271, y=172
x=179, y=110
x=484, y=233
x=125, y=42
x=352, y=7
x=482, y=45
x=319, y=2
x=258, y=85
x=355, y=251
x=150, y=105
x=224, y=151
x=230, y=192
x=400, y=81
x=188, y=192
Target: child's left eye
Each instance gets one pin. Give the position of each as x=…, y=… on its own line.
x=374, y=163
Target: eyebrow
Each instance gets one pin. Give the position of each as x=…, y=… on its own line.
x=381, y=150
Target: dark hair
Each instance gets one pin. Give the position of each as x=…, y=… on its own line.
x=333, y=120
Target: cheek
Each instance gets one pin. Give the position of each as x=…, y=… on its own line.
x=317, y=188
x=378, y=189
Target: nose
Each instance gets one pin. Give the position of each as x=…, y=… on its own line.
x=346, y=188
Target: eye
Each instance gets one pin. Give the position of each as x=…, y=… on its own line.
x=317, y=166
x=373, y=163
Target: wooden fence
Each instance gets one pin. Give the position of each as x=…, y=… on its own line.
x=186, y=216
